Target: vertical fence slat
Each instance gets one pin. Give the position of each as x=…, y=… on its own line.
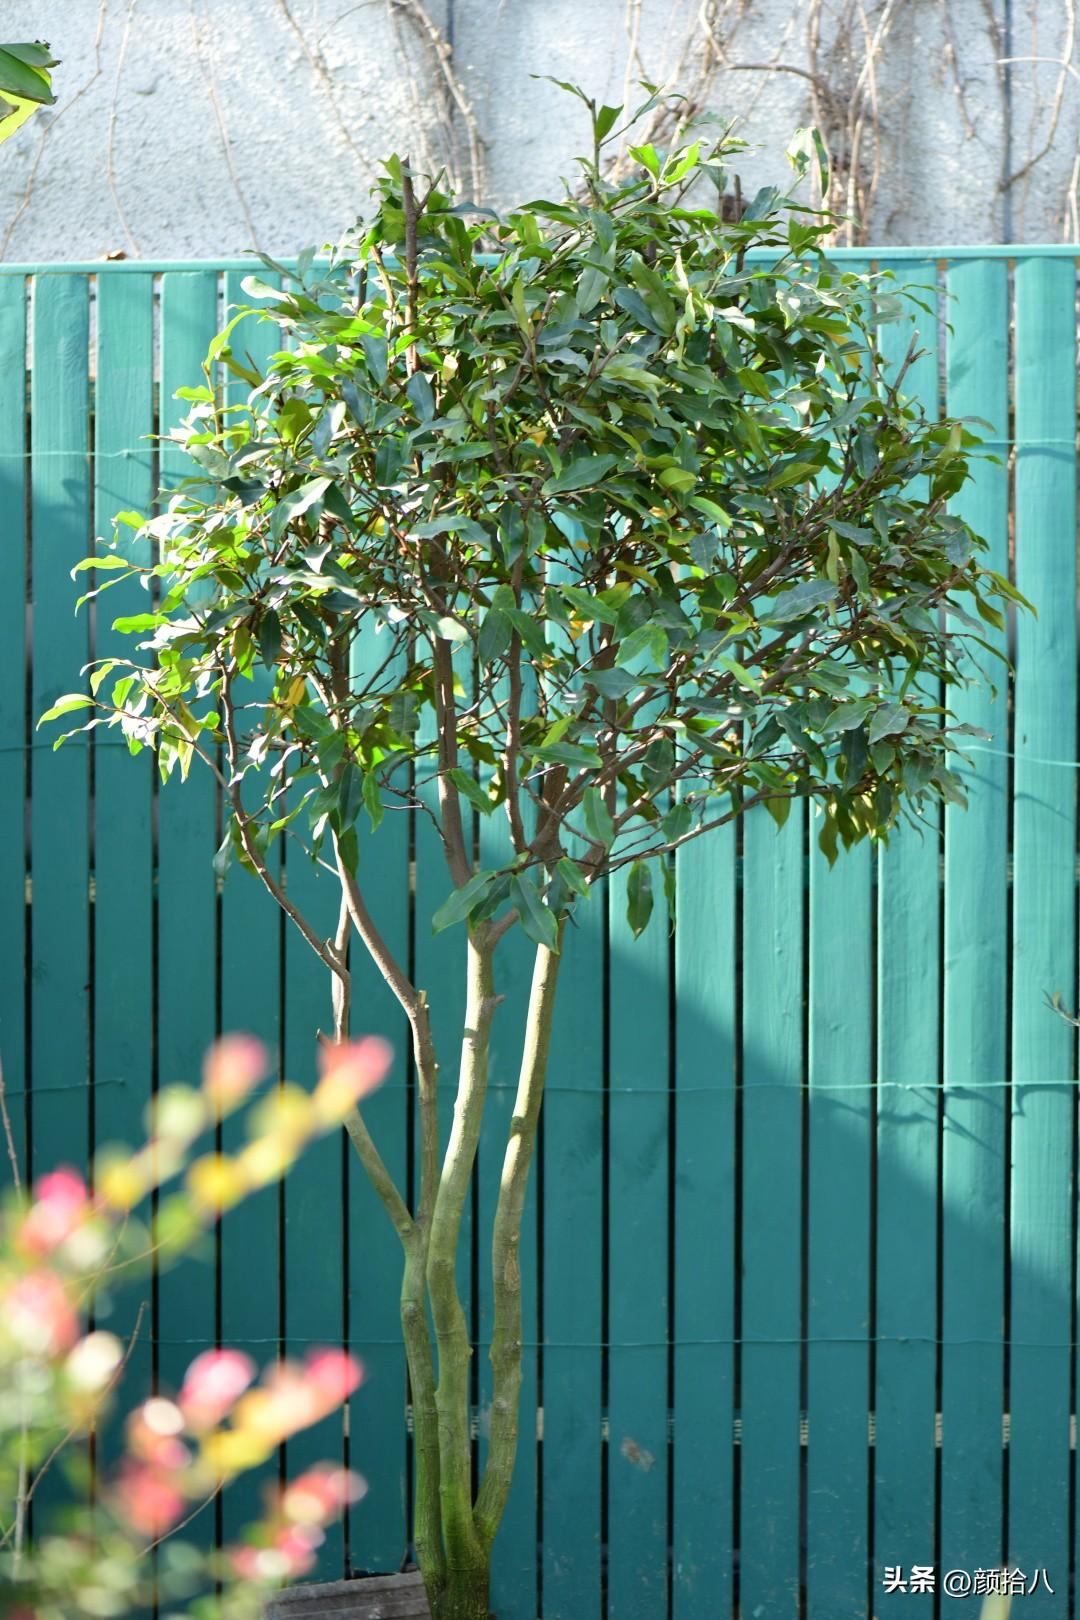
x=123, y=787
x=1044, y=920
x=378, y=1526
x=187, y=904
x=771, y=1315
x=60, y=522
x=975, y=980
x=704, y=1215
x=573, y=1126
x=838, y=1220
x=909, y=955
x=61, y=1099
x=637, y=1263
x=13, y=476
x=251, y=935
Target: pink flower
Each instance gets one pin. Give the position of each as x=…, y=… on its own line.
x=213, y=1382
x=320, y=1494
x=39, y=1315
x=350, y=1070
x=297, y=1545
x=153, y=1435
x=60, y=1202
x=233, y=1066
x=331, y=1375
x=146, y=1500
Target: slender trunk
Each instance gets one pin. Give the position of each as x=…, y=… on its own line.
x=506, y=1239
x=466, y=1557
x=466, y=1597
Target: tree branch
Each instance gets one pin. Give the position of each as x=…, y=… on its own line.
x=506, y=1239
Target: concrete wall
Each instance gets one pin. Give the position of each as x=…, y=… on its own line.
x=195, y=128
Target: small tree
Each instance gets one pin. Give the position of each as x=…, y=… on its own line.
x=580, y=522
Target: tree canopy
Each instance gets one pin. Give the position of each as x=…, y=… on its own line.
x=603, y=519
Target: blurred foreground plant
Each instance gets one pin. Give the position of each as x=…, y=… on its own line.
x=63, y=1253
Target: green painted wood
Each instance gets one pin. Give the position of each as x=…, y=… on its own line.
x=838, y=1218
x=704, y=1215
x=572, y=1295
x=250, y=1000
x=378, y=1526
x=13, y=695
x=637, y=1247
x=771, y=1149
x=908, y=1037
x=975, y=984
x=333, y=1241
x=187, y=923
x=1044, y=921
x=123, y=987
x=61, y=1098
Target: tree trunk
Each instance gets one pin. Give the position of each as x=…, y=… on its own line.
x=464, y=1596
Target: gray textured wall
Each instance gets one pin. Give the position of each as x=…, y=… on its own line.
x=199, y=127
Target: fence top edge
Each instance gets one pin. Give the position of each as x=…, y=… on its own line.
x=882, y=253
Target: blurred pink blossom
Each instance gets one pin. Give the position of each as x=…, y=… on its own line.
x=148, y=1501
x=332, y=1375
x=212, y=1384
x=350, y=1070
x=317, y=1496
x=39, y=1315
x=233, y=1065
x=60, y=1203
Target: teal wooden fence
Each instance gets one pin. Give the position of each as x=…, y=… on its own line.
x=801, y=1252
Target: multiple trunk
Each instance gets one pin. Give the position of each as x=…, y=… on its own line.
x=455, y=1518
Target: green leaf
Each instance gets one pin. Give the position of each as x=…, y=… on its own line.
x=807, y=143
x=793, y=472
x=423, y=400
x=376, y=355
x=598, y=822
x=677, y=478
x=612, y=683
x=536, y=919
x=65, y=705
x=710, y=509
x=806, y=597
x=580, y=474
x=889, y=722
x=589, y=607
x=350, y=796
x=591, y=285
x=373, y=799
x=131, y=623
x=494, y=638
x=295, y=504
x=639, y=897
x=604, y=122
x=103, y=564
x=648, y=158
x=573, y=876
x=22, y=79
x=462, y=901
x=470, y=787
